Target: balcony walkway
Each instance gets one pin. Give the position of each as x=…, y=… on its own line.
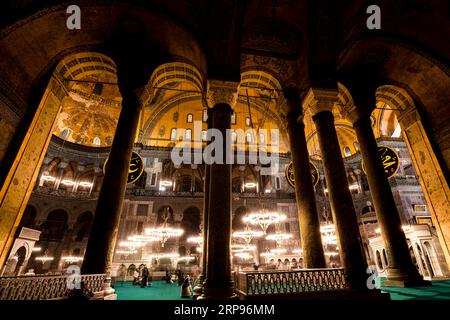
x=440, y=290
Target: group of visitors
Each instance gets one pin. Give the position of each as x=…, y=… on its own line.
x=142, y=277
x=183, y=281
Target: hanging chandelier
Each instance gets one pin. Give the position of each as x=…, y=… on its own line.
x=328, y=232
x=195, y=239
x=72, y=259
x=243, y=255
x=278, y=237
x=130, y=246
x=164, y=232
x=278, y=251
x=247, y=235
x=242, y=248
x=44, y=258
x=264, y=218
x=140, y=238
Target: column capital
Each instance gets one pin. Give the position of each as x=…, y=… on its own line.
x=293, y=103
x=222, y=92
x=351, y=112
x=320, y=99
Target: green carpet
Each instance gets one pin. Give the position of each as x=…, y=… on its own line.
x=440, y=290
x=160, y=290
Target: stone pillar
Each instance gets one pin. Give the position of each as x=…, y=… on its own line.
x=21, y=175
x=431, y=174
x=401, y=270
x=102, y=239
x=219, y=282
x=206, y=184
x=242, y=178
x=308, y=218
x=321, y=102
x=193, y=168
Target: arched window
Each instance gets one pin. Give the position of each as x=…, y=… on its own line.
x=233, y=137
x=173, y=134
x=64, y=134
x=347, y=152
x=248, y=137
x=188, y=134
x=97, y=141
x=203, y=135
x=233, y=118
x=386, y=261
x=54, y=228
x=247, y=122
x=262, y=138
x=205, y=115
x=190, y=118
x=98, y=88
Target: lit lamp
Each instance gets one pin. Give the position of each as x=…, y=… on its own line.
x=242, y=248
x=163, y=184
x=250, y=185
x=44, y=258
x=264, y=218
x=243, y=255
x=247, y=235
x=85, y=184
x=72, y=259
x=67, y=182
x=278, y=237
x=45, y=177
x=195, y=239
x=277, y=251
x=164, y=232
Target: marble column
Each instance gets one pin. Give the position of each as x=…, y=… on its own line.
x=193, y=168
x=242, y=178
x=219, y=283
x=401, y=270
x=100, y=247
x=313, y=255
x=321, y=102
x=198, y=290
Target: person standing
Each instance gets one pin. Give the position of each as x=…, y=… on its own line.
x=145, y=274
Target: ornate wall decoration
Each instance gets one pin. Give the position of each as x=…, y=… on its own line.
x=222, y=92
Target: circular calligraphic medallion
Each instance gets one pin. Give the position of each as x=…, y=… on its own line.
x=135, y=170
x=289, y=174
x=390, y=160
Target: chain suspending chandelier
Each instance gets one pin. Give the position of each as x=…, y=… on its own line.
x=164, y=232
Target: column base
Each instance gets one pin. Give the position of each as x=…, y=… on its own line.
x=218, y=294
x=406, y=283
x=402, y=278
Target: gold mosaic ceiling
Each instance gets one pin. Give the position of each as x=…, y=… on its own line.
x=91, y=110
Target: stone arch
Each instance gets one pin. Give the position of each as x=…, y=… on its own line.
x=160, y=213
x=379, y=261
x=131, y=268
x=239, y=213
x=430, y=167
x=83, y=226
x=29, y=217
x=55, y=226
x=190, y=222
